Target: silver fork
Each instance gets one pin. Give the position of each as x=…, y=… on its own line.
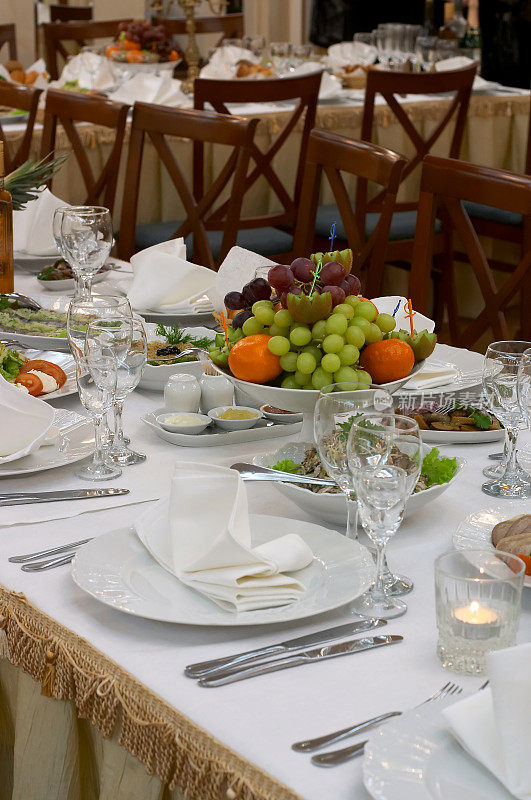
x=52, y=551
x=331, y=759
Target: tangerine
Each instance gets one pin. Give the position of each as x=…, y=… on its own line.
x=251, y=360
x=388, y=360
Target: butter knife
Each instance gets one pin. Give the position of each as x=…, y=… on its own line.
x=203, y=668
x=20, y=498
x=306, y=657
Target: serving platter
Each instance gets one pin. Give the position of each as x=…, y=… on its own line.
x=63, y=360
x=117, y=570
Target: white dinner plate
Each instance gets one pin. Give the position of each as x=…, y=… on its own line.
x=32, y=262
x=75, y=441
x=333, y=507
x=474, y=531
x=67, y=284
x=462, y=437
x=116, y=569
x=415, y=757
x=469, y=366
x=63, y=360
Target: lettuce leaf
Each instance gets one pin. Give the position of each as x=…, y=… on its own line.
x=286, y=466
x=438, y=469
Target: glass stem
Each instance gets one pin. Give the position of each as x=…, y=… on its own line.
x=510, y=464
x=85, y=285
x=97, y=460
x=119, y=444
x=378, y=590
x=352, y=516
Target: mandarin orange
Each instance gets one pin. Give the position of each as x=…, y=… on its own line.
x=388, y=360
x=251, y=360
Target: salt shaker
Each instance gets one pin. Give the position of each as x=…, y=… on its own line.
x=216, y=390
x=182, y=393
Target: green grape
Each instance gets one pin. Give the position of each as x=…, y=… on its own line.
x=355, y=336
x=276, y=330
x=345, y=374
x=321, y=378
x=301, y=378
x=251, y=326
x=278, y=345
x=364, y=377
x=306, y=363
x=289, y=383
x=367, y=310
x=300, y=336
x=385, y=322
x=261, y=304
x=315, y=351
x=349, y=355
x=331, y=362
x=319, y=330
x=361, y=323
x=283, y=318
x=336, y=323
x=333, y=343
x=289, y=362
x=353, y=301
x=264, y=314
x=345, y=309
x=374, y=334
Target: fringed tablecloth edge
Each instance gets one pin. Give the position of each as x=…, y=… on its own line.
x=170, y=745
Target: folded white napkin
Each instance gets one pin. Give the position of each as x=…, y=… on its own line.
x=223, y=62
x=432, y=375
x=24, y=422
x=32, y=226
x=150, y=88
x=344, y=54
x=330, y=85
x=460, y=62
x=494, y=725
x=163, y=280
x=239, y=267
x=90, y=70
x=202, y=534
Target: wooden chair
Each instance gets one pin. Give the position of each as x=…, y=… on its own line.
x=446, y=185
x=265, y=233
x=330, y=155
x=25, y=98
x=390, y=85
x=230, y=26
x=155, y=123
x=69, y=108
x=8, y=36
x=62, y=13
x=56, y=33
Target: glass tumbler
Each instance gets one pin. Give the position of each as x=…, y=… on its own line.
x=477, y=598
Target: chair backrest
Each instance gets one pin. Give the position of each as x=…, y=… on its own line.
x=8, y=36
x=62, y=13
x=157, y=122
x=528, y=152
x=304, y=89
x=330, y=155
x=25, y=98
x=445, y=184
x=56, y=33
x=69, y=108
x=392, y=84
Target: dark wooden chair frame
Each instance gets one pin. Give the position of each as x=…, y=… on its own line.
x=329, y=155
x=445, y=184
x=55, y=33
x=63, y=13
x=219, y=93
x=157, y=122
x=69, y=108
x=8, y=35
x=25, y=98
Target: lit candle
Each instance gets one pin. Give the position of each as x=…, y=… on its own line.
x=475, y=621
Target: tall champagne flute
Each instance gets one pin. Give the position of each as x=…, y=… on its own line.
x=96, y=383
x=500, y=388
x=86, y=236
x=338, y=405
x=383, y=438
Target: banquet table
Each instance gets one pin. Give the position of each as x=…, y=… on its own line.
x=94, y=703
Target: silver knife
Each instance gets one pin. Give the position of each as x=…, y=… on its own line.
x=306, y=657
x=203, y=668
x=20, y=498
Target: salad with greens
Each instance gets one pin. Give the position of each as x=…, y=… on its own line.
x=10, y=363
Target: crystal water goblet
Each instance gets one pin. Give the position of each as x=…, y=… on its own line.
x=524, y=385
x=86, y=234
x=96, y=376
x=426, y=50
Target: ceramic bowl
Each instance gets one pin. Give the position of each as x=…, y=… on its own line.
x=291, y=416
x=202, y=422
x=235, y=424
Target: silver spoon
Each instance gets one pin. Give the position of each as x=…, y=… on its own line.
x=23, y=300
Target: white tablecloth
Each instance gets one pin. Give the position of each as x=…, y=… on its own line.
x=260, y=718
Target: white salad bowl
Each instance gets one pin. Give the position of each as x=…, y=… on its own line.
x=235, y=424
x=332, y=507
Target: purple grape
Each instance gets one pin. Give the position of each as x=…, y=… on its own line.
x=257, y=289
x=353, y=283
x=303, y=269
x=338, y=295
x=234, y=301
x=281, y=278
x=332, y=274
x=240, y=318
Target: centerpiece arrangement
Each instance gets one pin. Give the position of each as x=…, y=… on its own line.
x=140, y=42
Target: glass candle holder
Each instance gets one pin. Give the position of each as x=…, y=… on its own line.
x=478, y=599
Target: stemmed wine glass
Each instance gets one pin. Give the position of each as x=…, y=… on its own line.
x=392, y=439
x=382, y=494
x=524, y=385
x=96, y=382
x=500, y=388
x=86, y=241
x=129, y=346
x=337, y=407
x=56, y=230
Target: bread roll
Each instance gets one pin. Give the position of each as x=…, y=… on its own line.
x=510, y=527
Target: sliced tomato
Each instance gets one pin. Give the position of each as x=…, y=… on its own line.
x=527, y=562
x=45, y=366
x=32, y=382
